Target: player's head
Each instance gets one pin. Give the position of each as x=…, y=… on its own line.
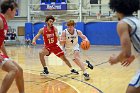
x=49, y=20
x=9, y=7
x=124, y=7
x=70, y=25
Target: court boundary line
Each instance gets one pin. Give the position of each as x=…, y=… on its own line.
x=67, y=75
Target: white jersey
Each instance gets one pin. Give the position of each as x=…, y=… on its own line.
x=135, y=33
x=71, y=39
x=134, y=23
x=71, y=44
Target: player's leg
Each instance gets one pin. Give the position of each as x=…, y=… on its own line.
x=78, y=61
x=132, y=89
x=68, y=63
x=42, y=54
x=134, y=85
x=19, y=78
x=89, y=65
x=58, y=52
x=65, y=60
x=12, y=70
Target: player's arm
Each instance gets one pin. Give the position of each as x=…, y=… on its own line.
x=82, y=35
x=40, y=32
x=63, y=38
x=56, y=32
x=3, y=49
x=125, y=54
x=1, y=23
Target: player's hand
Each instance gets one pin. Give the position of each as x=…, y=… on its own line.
x=128, y=61
x=85, y=40
x=1, y=58
x=113, y=59
x=33, y=43
x=62, y=41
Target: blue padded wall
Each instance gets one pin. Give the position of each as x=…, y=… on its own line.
x=98, y=33
x=36, y=28
x=102, y=33
x=29, y=30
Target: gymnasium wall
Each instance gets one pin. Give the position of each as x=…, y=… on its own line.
x=23, y=5
x=102, y=33
x=14, y=25
x=98, y=33
x=32, y=29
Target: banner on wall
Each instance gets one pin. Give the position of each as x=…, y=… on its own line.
x=53, y=5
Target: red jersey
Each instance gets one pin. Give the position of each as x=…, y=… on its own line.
x=3, y=31
x=50, y=38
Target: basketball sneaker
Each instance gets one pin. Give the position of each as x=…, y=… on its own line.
x=86, y=76
x=45, y=71
x=89, y=64
x=73, y=71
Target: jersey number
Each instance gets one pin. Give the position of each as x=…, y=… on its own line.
x=51, y=40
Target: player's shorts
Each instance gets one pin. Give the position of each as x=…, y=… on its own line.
x=6, y=58
x=56, y=50
x=69, y=51
x=135, y=82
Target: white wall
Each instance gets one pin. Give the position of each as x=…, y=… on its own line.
x=59, y=28
x=23, y=7
x=16, y=24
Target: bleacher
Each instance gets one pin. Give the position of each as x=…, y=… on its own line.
x=11, y=37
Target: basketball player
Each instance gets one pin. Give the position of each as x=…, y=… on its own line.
x=50, y=36
x=128, y=29
x=14, y=71
x=69, y=41
x=27, y=40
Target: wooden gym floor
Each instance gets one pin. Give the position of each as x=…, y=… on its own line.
x=104, y=78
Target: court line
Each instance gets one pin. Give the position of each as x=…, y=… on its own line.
x=67, y=75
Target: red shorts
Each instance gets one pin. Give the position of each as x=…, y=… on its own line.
x=56, y=50
x=4, y=56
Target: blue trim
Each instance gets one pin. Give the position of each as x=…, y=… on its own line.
x=131, y=85
x=139, y=42
x=137, y=38
x=136, y=82
x=134, y=44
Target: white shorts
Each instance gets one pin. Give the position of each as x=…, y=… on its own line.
x=3, y=62
x=69, y=51
x=135, y=82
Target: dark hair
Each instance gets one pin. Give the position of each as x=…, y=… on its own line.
x=8, y=4
x=49, y=17
x=126, y=7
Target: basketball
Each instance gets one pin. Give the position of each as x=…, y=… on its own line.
x=85, y=45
